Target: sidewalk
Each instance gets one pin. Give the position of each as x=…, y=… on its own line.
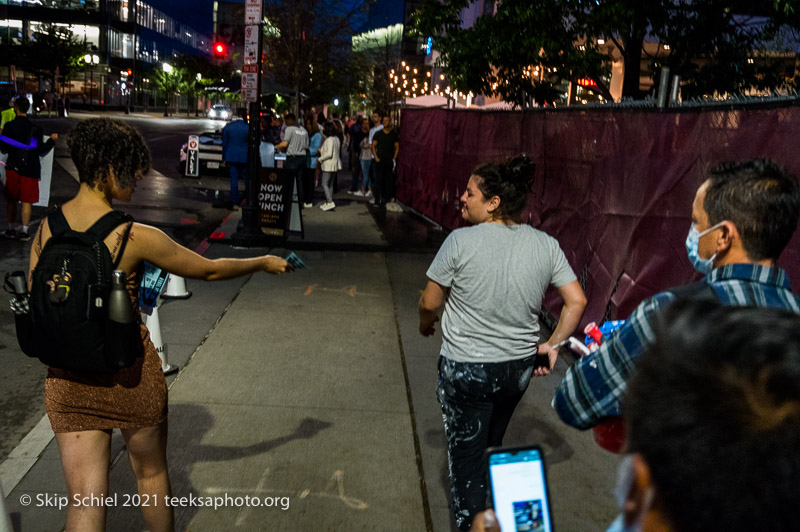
x=316, y=387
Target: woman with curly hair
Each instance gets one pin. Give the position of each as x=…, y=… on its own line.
x=111, y=158
x=493, y=276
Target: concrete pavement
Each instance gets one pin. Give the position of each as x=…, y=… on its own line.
x=317, y=387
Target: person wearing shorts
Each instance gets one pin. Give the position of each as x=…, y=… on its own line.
x=23, y=141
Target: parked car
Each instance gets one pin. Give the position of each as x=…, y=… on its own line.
x=209, y=155
x=220, y=112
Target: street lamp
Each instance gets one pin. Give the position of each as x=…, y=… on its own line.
x=167, y=68
x=91, y=60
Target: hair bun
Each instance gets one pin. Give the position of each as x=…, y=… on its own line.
x=520, y=171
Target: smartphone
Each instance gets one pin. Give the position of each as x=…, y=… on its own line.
x=518, y=488
x=541, y=361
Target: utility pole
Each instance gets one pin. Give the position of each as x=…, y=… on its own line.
x=249, y=234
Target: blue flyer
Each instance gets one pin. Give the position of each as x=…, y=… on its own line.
x=153, y=279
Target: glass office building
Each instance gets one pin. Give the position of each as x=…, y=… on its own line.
x=129, y=37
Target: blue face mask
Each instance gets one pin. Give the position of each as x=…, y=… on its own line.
x=703, y=266
x=625, y=478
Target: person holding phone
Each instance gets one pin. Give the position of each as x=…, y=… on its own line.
x=83, y=409
x=493, y=276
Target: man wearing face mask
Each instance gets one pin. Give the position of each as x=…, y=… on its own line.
x=743, y=216
x=709, y=442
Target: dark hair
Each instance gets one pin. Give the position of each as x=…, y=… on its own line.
x=329, y=130
x=290, y=116
x=310, y=124
x=99, y=144
x=23, y=104
x=714, y=409
x=510, y=180
x=761, y=199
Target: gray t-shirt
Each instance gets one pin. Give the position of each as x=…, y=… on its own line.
x=497, y=276
x=297, y=137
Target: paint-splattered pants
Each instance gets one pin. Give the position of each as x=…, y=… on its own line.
x=477, y=403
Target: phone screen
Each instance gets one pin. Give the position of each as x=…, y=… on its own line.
x=519, y=492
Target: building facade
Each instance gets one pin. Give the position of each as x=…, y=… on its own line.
x=128, y=38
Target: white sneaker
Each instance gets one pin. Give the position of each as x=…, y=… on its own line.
x=372, y=201
x=393, y=207
x=369, y=194
x=358, y=193
x=328, y=206
x=308, y=205
x=351, y=192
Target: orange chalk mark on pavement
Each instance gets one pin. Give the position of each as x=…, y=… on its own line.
x=310, y=289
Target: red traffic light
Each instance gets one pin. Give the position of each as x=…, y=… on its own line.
x=219, y=49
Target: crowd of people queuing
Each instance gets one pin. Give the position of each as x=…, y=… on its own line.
x=705, y=376
x=317, y=148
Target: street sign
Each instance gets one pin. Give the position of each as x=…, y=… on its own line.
x=251, y=44
x=249, y=83
x=252, y=11
x=193, y=156
x=274, y=200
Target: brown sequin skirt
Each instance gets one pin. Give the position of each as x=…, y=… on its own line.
x=130, y=398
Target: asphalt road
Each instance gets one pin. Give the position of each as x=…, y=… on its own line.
x=170, y=202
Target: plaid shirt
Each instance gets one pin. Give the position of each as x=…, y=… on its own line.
x=594, y=385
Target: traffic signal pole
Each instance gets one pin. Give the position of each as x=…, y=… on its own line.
x=249, y=233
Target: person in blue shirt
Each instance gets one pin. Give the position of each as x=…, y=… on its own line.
x=743, y=217
x=311, y=176
x=234, y=152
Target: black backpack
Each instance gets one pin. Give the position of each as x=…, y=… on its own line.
x=70, y=328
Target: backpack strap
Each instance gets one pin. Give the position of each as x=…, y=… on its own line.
x=103, y=227
x=58, y=224
x=123, y=244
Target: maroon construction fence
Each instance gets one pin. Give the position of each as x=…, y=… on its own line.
x=615, y=187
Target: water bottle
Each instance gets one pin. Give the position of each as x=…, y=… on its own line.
x=119, y=302
x=17, y=283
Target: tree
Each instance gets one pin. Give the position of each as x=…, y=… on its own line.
x=55, y=48
x=197, y=72
x=307, y=44
x=711, y=43
x=714, y=47
x=520, y=52
x=373, y=56
x=171, y=82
